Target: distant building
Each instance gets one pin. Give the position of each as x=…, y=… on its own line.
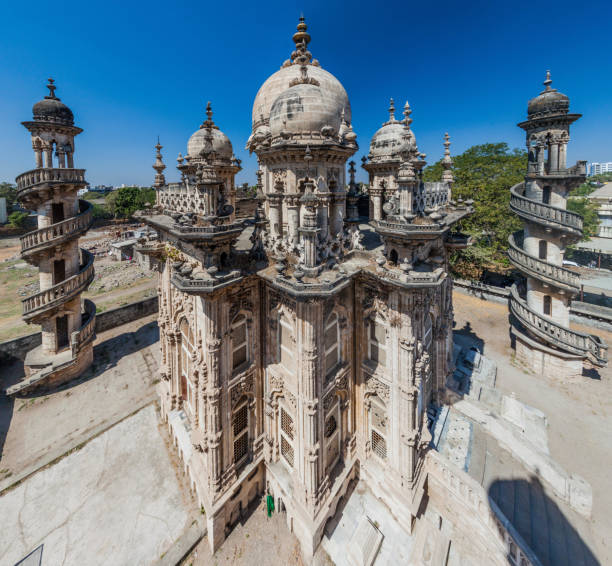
x=603, y=198
x=599, y=168
x=3, y=215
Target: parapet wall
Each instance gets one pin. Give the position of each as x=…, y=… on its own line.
x=19, y=347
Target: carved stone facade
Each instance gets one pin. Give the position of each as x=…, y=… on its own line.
x=302, y=360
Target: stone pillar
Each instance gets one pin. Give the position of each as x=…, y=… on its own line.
x=376, y=196
x=48, y=147
x=309, y=359
x=293, y=218
x=337, y=215
x=38, y=156
x=553, y=157
x=61, y=158
x=276, y=228
x=70, y=160
x=324, y=214
x=563, y=155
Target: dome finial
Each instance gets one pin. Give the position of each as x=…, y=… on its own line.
x=407, y=112
x=548, y=81
x=51, y=88
x=301, y=38
x=447, y=162
x=391, y=111
x=208, y=123
x=159, y=167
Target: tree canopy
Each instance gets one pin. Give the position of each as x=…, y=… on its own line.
x=9, y=192
x=588, y=210
x=123, y=202
x=485, y=173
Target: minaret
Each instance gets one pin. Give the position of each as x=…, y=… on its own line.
x=543, y=339
x=159, y=167
x=65, y=270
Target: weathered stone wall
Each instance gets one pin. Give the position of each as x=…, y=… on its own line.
x=19, y=347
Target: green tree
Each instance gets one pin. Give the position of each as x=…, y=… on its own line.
x=9, y=192
x=588, y=210
x=18, y=219
x=485, y=173
x=123, y=202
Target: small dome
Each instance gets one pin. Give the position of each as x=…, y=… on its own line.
x=305, y=109
x=389, y=140
x=52, y=109
x=549, y=101
x=220, y=143
x=210, y=132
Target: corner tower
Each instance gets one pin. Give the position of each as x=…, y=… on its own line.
x=543, y=340
x=65, y=270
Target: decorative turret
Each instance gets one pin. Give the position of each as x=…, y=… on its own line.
x=543, y=338
x=159, y=167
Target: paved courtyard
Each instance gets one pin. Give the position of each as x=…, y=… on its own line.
x=117, y=500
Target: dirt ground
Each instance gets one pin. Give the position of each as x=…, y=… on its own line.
x=579, y=411
x=115, y=284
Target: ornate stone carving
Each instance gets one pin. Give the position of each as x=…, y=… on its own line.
x=376, y=387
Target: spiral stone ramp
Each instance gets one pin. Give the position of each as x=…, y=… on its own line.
x=65, y=270
x=539, y=309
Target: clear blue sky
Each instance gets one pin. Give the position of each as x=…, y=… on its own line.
x=133, y=70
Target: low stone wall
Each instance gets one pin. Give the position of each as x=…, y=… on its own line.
x=19, y=347
x=126, y=313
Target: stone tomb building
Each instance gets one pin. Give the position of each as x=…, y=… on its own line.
x=302, y=350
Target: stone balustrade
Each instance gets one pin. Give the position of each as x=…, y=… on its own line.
x=510, y=545
x=51, y=235
x=541, y=269
x=435, y=194
x=87, y=332
x=61, y=292
x=544, y=213
x=49, y=175
x=564, y=338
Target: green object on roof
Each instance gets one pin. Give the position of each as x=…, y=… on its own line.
x=270, y=505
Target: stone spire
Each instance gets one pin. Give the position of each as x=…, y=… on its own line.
x=407, y=112
x=548, y=82
x=447, y=162
x=208, y=123
x=159, y=167
x=391, y=111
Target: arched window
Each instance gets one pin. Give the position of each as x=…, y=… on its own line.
x=546, y=195
x=240, y=429
x=378, y=428
x=542, y=252
x=187, y=350
x=547, y=305
x=377, y=343
x=393, y=257
x=286, y=346
x=239, y=334
x=332, y=344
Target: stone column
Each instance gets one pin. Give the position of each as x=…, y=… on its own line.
x=563, y=155
x=293, y=218
x=553, y=157
x=309, y=359
x=324, y=200
x=38, y=156
x=376, y=196
x=61, y=158
x=48, y=147
x=70, y=157
x=275, y=200
x=337, y=221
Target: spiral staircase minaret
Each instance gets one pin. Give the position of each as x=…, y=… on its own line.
x=65, y=270
x=541, y=332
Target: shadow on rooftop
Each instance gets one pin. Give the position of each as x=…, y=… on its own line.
x=467, y=338
x=106, y=356
x=540, y=522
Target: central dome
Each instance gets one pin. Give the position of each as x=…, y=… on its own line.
x=300, y=97
x=549, y=101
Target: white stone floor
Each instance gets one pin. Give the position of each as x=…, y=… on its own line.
x=396, y=545
x=117, y=500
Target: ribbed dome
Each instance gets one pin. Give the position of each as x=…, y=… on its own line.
x=52, y=109
x=304, y=109
x=549, y=101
